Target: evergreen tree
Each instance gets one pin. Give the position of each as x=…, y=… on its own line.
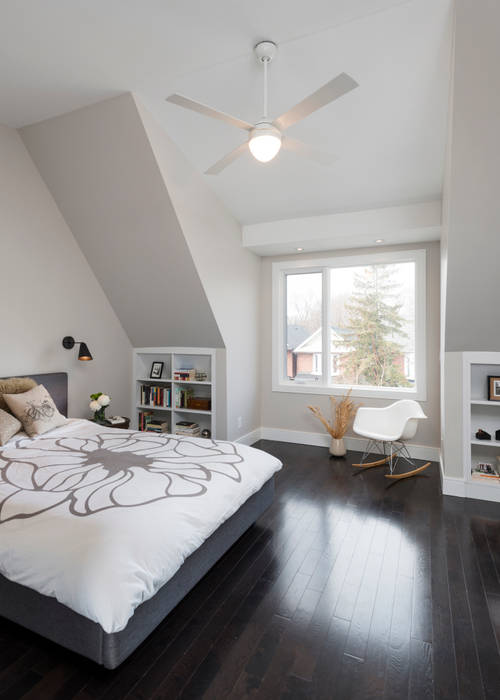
x=376, y=326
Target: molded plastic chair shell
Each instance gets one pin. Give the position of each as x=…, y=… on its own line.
x=393, y=423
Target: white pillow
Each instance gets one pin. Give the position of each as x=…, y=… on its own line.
x=9, y=426
x=35, y=409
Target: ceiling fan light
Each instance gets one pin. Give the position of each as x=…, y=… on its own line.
x=264, y=142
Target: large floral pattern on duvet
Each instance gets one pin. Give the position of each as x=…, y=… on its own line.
x=107, y=470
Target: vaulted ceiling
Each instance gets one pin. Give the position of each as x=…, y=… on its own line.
x=389, y=134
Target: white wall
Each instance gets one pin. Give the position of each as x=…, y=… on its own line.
x=98, y=164
x=230, y=274
x=289, y=411
x=47, y=291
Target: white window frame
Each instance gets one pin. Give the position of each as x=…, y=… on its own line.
x=280, y=382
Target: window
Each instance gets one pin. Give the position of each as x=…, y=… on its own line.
x=353, y=322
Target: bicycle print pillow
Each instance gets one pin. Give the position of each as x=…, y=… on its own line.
x=36, y=410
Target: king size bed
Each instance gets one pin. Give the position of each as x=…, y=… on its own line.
x=103, y=531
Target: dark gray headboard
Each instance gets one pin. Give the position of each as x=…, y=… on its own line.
x=56, y=384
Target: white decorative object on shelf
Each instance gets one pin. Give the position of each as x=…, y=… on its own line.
x=166, y=393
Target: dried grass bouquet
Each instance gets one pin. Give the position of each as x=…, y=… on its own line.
x=343, y=412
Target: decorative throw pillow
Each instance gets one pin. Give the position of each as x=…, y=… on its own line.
x=35, y=409
x=9, y=426
x=14, y=385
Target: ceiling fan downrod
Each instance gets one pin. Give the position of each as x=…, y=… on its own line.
x=265, y=52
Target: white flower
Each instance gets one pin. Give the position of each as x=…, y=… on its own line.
x=94, y=405
x=103, y=400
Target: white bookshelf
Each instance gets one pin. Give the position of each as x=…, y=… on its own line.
x=479, y=412
x=175, y=358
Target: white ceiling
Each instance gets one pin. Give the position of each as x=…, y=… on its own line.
x=389, y=134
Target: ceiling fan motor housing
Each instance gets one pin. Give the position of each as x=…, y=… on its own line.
x=265, y=51
x=265, y=128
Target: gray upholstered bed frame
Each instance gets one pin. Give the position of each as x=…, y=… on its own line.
x=58, y=623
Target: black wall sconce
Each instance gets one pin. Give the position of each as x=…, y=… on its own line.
x=83, y=354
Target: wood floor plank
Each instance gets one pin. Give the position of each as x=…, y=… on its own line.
x=468, y=671
x=444, y=661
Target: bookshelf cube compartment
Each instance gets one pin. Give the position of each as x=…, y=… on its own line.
x=154, y=394
x=157, y=417
x=200, y=363
x=204, y=421
x=143, y=363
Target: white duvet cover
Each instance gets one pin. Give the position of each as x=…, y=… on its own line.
x=101, y=518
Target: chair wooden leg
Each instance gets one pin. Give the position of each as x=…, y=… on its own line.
x=407, y=474
x=378, y=463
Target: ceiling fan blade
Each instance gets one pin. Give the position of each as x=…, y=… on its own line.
x=229, y=158
x=308, y=152
x=199, y=107
x=328, y=93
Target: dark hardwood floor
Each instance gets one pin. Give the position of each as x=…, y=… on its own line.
x=347, y=587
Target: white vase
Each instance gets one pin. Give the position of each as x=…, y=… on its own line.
x=337, y=447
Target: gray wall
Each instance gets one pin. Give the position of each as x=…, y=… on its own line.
x=47, y=291
x=230, y=274
x=289, y=410
x=99, y=166
x=473, y=181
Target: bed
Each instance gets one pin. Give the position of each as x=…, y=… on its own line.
x=103, y=531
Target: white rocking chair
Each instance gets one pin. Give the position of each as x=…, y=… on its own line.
x=387, y=430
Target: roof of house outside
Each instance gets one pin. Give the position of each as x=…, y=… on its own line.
x=295, y=335
x=339, y=337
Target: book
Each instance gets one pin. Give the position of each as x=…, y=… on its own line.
x=484, y=477
x=144, y=418
x=184, y=375
x=151, y=395
x=182, y=397
x=158, y=425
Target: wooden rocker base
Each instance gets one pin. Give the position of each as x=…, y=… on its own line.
x=378, y=463
x=407, y=474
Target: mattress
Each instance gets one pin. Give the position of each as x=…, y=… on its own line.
x=101, y=519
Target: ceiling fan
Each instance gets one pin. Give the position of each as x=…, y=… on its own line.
x=265, y=138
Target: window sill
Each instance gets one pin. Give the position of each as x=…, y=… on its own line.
x=356, y=392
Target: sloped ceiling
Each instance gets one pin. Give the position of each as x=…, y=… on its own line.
x=100, y=169
x=389, y=134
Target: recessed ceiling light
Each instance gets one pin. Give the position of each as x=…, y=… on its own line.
x=299, y=249
x=379, y=240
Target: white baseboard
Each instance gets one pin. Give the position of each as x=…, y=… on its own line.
x=352, y=443
x=451, y=486
x=250, y=437
x=461, y=488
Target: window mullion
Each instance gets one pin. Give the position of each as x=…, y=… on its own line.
x=325, y=326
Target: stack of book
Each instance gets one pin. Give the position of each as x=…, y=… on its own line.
x=155, y=396
x=485, y=471
x=157, y=426
x=145, y=417
x=184, y=375
x=182, y=397
x=185, y=427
